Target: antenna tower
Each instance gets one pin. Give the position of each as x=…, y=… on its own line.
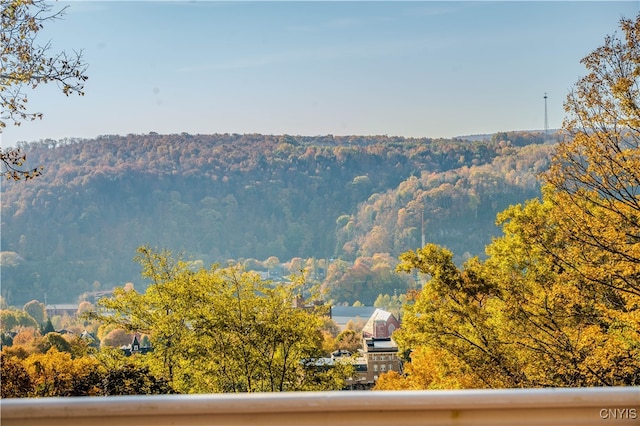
x=546, y=118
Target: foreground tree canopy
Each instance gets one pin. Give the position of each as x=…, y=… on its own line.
x=26, y=64
x=222, y=329
x=557, y=302
x=595, y=177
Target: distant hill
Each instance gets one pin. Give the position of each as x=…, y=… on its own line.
x=216, y=197
x=492, y=136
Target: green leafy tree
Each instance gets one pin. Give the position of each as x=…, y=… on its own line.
x=391, y=304
x=349, y=340
x=47, y=327
x=128, y=375
x=272, y=263
x=81, y=345
x=54, y=340
x=365, y=280
x=36, y=310
x=221, y=329
x=25, y=63
x=11, y=319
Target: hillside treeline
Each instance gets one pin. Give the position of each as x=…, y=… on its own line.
x=228, y=196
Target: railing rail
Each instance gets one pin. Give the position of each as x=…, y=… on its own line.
x=557, y=406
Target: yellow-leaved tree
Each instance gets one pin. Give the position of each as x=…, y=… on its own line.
x=595, y=175
x=557, y=302
x=222, y=329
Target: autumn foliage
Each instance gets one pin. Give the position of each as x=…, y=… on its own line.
x=557, y=301
x=231, y=196
x=25, y=64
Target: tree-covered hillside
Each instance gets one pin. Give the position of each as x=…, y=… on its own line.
x=75, y=228
x=455, y=207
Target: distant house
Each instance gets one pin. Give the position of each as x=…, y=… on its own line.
x=135, y=347
x=381, y=325
x=379, y=349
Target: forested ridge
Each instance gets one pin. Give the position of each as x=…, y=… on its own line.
x=229, y=196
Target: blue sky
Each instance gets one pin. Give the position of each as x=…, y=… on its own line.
x=432, y=69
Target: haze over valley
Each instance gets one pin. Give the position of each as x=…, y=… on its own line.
x=322, y=201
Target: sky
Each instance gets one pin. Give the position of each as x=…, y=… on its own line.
x=413, y=69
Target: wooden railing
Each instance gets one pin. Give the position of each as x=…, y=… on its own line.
x=585, y=406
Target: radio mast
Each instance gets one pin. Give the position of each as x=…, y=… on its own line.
x=546, y=118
